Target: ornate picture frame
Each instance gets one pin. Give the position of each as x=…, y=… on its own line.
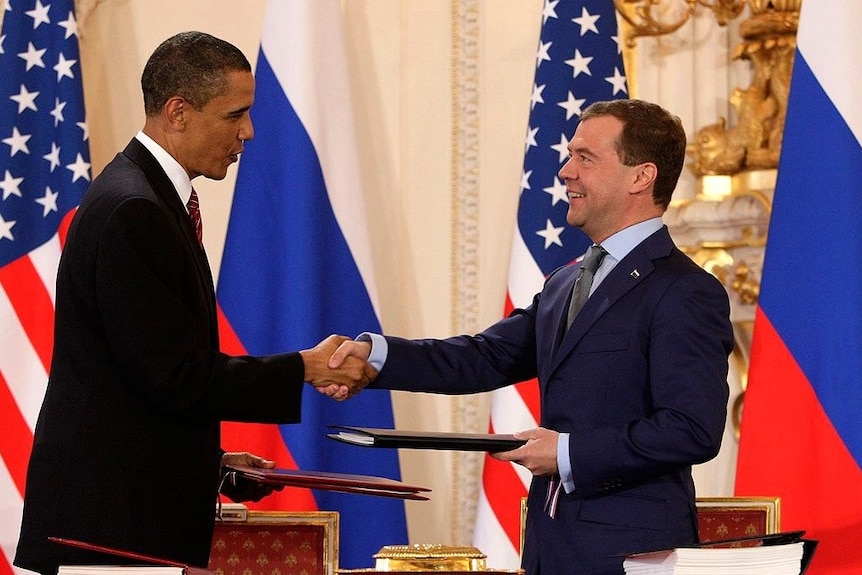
x=731, y=517
x=248, y=542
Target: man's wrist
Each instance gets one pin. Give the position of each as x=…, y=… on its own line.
x=379, y=348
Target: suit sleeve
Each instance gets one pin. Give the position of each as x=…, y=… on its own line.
x=161, y=330
x=502, y=355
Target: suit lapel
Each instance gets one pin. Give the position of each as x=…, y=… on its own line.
x=163, y=187
x=627, y=274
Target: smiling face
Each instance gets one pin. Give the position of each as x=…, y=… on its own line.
x=604, y=194
x=210, y=139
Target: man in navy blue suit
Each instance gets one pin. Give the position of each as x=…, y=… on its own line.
x=634, y=392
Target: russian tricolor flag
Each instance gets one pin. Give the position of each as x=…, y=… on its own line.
x=297, y=264
x=801, y=437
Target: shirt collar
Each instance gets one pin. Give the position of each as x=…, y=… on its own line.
x=176, y=173
x=621, y=243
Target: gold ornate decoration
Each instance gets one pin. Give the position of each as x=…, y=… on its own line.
x=429, y=557
x=647, y=17
x=769, y=43
x=754, y=143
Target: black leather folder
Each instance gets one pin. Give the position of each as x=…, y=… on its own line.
x=375, y=437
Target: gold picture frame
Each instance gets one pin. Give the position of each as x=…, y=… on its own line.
x=745, y=516
x=314, y=532
x=729, y=509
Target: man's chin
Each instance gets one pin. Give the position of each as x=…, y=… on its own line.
x=217, y=175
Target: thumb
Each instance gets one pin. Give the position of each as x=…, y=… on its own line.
x=337, y=357
x=256, y=461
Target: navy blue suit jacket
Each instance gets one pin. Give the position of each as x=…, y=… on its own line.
x=639, y=382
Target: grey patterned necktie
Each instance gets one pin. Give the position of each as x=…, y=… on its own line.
x=591, y=263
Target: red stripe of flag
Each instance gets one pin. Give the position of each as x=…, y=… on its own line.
x=32, y=304
x=260, y=439
x=5, y=564
x=782, y=408
x=503, y=485
x=16, y=439
x=63, y=230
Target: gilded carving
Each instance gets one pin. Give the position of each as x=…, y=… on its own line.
x=754, y=143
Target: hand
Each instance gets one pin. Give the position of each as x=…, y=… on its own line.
x=240, y=489
x=346, y=378
x=539, y=454
x=247, y=459
x=350, y=348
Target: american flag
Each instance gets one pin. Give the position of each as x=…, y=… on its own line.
x=44, y=171
x=578, y=62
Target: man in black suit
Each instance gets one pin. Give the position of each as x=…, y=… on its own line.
x=634, y=391
x=126, y=449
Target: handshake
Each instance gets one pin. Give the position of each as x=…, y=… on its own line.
x=338, y=366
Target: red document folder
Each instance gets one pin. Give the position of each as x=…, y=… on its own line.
x=132, y=555
x=342, y=482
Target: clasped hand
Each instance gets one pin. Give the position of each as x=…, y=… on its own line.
x=337, y=368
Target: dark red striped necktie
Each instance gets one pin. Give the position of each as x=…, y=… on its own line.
x=195, y=215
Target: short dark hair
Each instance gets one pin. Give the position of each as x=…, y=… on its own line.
x=193, y=65
x=650, y=134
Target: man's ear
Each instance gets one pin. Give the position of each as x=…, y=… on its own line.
x=645, y=177
x=175, y=109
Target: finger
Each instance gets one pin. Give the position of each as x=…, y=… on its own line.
x=504, y=455
x=527, y=434
x=341, y=352
x=256, y=461
x=329, y=389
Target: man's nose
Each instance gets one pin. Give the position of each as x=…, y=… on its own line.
x=566, y=171
x=246, y=132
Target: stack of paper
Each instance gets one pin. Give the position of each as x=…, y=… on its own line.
x=151, y=565
x=763, y=560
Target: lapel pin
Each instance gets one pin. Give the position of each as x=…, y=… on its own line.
x=635, y=274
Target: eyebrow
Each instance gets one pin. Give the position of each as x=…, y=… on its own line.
x=239, y=111
x=580, y=150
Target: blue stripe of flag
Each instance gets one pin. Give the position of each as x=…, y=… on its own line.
x=812, y=277
x=287, y=281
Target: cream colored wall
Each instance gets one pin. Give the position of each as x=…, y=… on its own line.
x=401, y=57
x=400, y=54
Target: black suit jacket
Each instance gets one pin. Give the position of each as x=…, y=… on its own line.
x=126, y=448
x=639, y=382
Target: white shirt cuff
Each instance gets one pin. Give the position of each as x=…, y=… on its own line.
x=564, y=464
x=379, y=348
